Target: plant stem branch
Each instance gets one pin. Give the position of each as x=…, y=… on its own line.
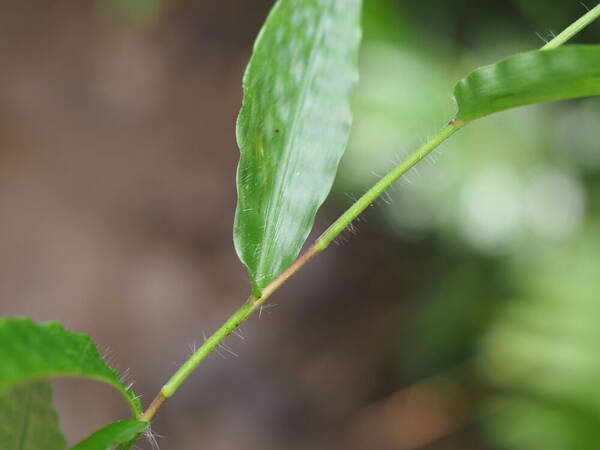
x=252, y=304
x=372, y=194
x=234, y=321
x=153, y=408
x=573, y=29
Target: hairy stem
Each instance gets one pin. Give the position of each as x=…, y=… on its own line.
x=573, y=29
x=372, y=194
x=252, y=304
x=234, y=321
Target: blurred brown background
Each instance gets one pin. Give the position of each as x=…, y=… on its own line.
x=117, y=195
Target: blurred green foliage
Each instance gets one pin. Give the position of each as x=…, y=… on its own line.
x=143, y=11
x=513, y=205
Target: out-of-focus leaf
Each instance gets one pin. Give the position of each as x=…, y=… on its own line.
x=28, y=420
x=528, y=78
x=541, y=352
x=30, y=351
x=293, y=128
x=141, y=11
x=111, y=435
x=524, y=423
x=445, y=324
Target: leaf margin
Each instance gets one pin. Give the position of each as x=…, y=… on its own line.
x=48, y=329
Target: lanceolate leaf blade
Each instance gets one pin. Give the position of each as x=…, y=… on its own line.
x=528, y=78
x=293, y=128
x=30, y=351
x=111, y=435
x=28, y=420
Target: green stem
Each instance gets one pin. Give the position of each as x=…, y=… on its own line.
x=234, y=321
x=242, y=314
x=573, y=29
x=372, y=194
x=206, y=349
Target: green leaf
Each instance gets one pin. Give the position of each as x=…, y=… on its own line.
x=293, y=128
x=28, y=420
x=113, y=434
x=30, y=351
x=527, y=78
